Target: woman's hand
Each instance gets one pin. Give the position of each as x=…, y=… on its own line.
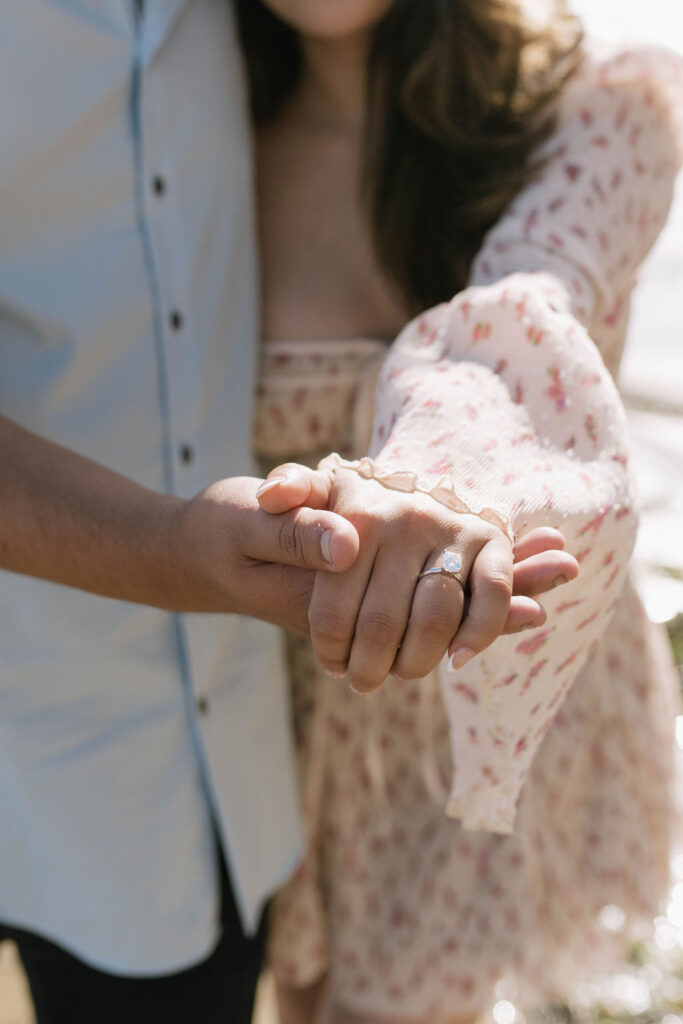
x=378, y=617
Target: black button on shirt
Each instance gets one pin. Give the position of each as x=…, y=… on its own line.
x=186, y=454
x=158, y=185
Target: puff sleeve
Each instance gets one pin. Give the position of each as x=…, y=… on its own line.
x=499, y=403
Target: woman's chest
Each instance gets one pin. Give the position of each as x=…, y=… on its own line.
x=320, y=276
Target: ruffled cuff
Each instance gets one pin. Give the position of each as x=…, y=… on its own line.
x=485, y=808
x=439, y=487
x=493, y=733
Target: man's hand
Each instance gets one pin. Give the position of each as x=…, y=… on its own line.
x=379, y=616
x=70, y=520
x=235, y=557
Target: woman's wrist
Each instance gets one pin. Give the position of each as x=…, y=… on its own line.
x=438, y=486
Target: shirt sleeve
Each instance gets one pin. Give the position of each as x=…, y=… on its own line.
x=499, y=403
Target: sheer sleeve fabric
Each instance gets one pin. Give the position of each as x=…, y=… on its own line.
x=499, y=403
x=593, y=213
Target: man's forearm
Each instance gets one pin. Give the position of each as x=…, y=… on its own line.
x=73, y=521
x=70, y=520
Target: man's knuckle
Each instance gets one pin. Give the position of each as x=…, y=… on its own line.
x=294, y=539
x=287, y=537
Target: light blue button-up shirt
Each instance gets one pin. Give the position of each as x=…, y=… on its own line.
x=127, y=333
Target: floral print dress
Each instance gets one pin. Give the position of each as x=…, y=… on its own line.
x=465, y=831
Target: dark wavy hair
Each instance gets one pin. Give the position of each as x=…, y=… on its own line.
x=461, y=93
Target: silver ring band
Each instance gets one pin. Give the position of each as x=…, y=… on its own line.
x=451, y=564
x=436, y=569
x=442, y=572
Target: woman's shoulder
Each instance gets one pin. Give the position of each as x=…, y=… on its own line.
x=612, y=78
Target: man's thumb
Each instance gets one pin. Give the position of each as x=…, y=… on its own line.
x=308, y=538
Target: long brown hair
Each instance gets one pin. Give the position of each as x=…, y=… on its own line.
x=461, y=93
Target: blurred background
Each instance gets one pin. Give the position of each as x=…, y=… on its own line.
x=649, y=989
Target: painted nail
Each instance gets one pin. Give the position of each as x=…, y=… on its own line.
x=268, y=484
x=334, y=675
x=326, y=547
x=460, y=657
x=559, y=580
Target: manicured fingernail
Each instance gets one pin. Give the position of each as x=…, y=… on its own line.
x=461, y=655
x=334, y=675
x=359, y=693
x=326, y=547
x=268, y=484
x=559, y=580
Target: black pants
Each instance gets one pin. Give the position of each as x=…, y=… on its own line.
x=218, y=991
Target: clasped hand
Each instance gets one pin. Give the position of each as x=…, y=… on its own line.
x=378, y=617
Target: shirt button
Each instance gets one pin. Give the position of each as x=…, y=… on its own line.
x=202, y=705
x=186, y=454
x=176, y=319
x=158, y=185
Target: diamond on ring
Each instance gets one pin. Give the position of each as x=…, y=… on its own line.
x=451, y=562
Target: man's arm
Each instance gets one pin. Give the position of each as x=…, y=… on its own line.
x=70, y=520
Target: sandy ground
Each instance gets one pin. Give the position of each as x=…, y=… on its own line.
x=14, y=1002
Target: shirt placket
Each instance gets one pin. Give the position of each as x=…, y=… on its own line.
x=178, y=353
x=162, y=228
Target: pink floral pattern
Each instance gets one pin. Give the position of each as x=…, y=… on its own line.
x=552, y=752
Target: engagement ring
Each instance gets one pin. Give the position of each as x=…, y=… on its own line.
x=451, y=564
